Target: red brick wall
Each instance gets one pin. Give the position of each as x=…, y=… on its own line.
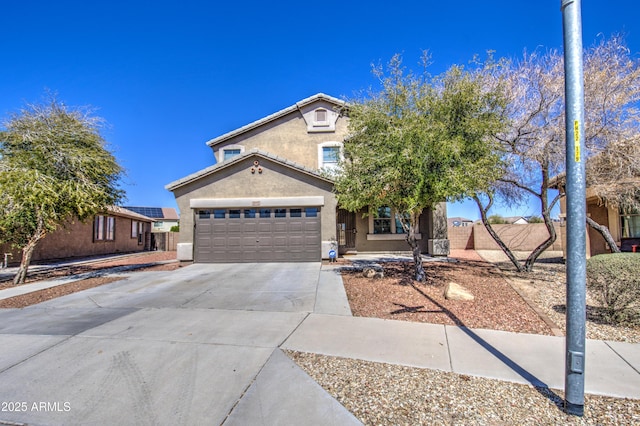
x=76, y=240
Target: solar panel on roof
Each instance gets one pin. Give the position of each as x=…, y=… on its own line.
x=152, y=212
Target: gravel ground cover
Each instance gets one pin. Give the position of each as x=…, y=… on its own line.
x=496, y=305
x=545, y=287
x=383, y=394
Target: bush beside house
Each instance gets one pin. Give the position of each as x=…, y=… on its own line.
x=614, y=279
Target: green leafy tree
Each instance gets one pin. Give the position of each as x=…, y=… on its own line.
x=54, y=166
x=417, y=142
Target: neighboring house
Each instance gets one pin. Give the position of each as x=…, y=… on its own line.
x=165, y=217
x=624, y=227
x=117, y=230
x=515, y=220
x=270, y=195
x=459, y=221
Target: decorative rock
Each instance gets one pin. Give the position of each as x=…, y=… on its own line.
x=455, y=291
x=372, y=272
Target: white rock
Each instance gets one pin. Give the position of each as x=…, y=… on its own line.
x=455, y=291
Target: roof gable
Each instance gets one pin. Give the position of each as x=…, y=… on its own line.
x=251, y=153
x=301, y=106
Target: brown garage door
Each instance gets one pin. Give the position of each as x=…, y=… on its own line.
x=258, y=235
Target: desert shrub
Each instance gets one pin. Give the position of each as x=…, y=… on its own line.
x=615, y=280
x=496, y=219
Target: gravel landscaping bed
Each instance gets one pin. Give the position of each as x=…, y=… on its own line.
x=545, y=286
x=383, y=394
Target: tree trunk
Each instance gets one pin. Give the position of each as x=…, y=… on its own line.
x=494, y=235
x=604, y=231
x=531, y=260
x=546, y=215
x=27, y=252
x=411, y=229
x=420, y=275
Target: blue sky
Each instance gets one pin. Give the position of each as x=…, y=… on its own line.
x=168, y=76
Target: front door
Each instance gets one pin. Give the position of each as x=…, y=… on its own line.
x=346, y=231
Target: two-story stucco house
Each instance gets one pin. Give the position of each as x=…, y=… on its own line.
x=268, y=199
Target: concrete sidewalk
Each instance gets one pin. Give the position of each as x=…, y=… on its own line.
x=7, y=274
x=612, y=368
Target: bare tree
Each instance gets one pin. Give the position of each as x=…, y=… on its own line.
x=534, y=142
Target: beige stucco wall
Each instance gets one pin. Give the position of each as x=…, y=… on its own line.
x=461, y=237
x=288, y=137
x=608, y=216
x=397, y=242
x=516, y=237
x=237, y=181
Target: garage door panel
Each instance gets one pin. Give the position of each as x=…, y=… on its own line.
x=234, y=242
x=228, y=238
x=279, y=242
x=251, y=227
x=311, y=227
x=217, y=228
x=264, y=227
x=295, y=227
x=280, y=227
x=218, y=242
x=234, y=227
x=296, y=242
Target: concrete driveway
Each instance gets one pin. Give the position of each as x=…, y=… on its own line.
x=195, y=346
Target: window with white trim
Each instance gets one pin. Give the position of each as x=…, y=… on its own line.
x=329, y=155
x=320, y=117
x=230, y=151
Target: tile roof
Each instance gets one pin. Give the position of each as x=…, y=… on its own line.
x=253, y=152
x=274, y=116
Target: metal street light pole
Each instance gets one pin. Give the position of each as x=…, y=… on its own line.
x=576, y=208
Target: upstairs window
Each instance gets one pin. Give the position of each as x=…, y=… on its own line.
x=329, y=155
x=230, y=151
x=320, y=116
